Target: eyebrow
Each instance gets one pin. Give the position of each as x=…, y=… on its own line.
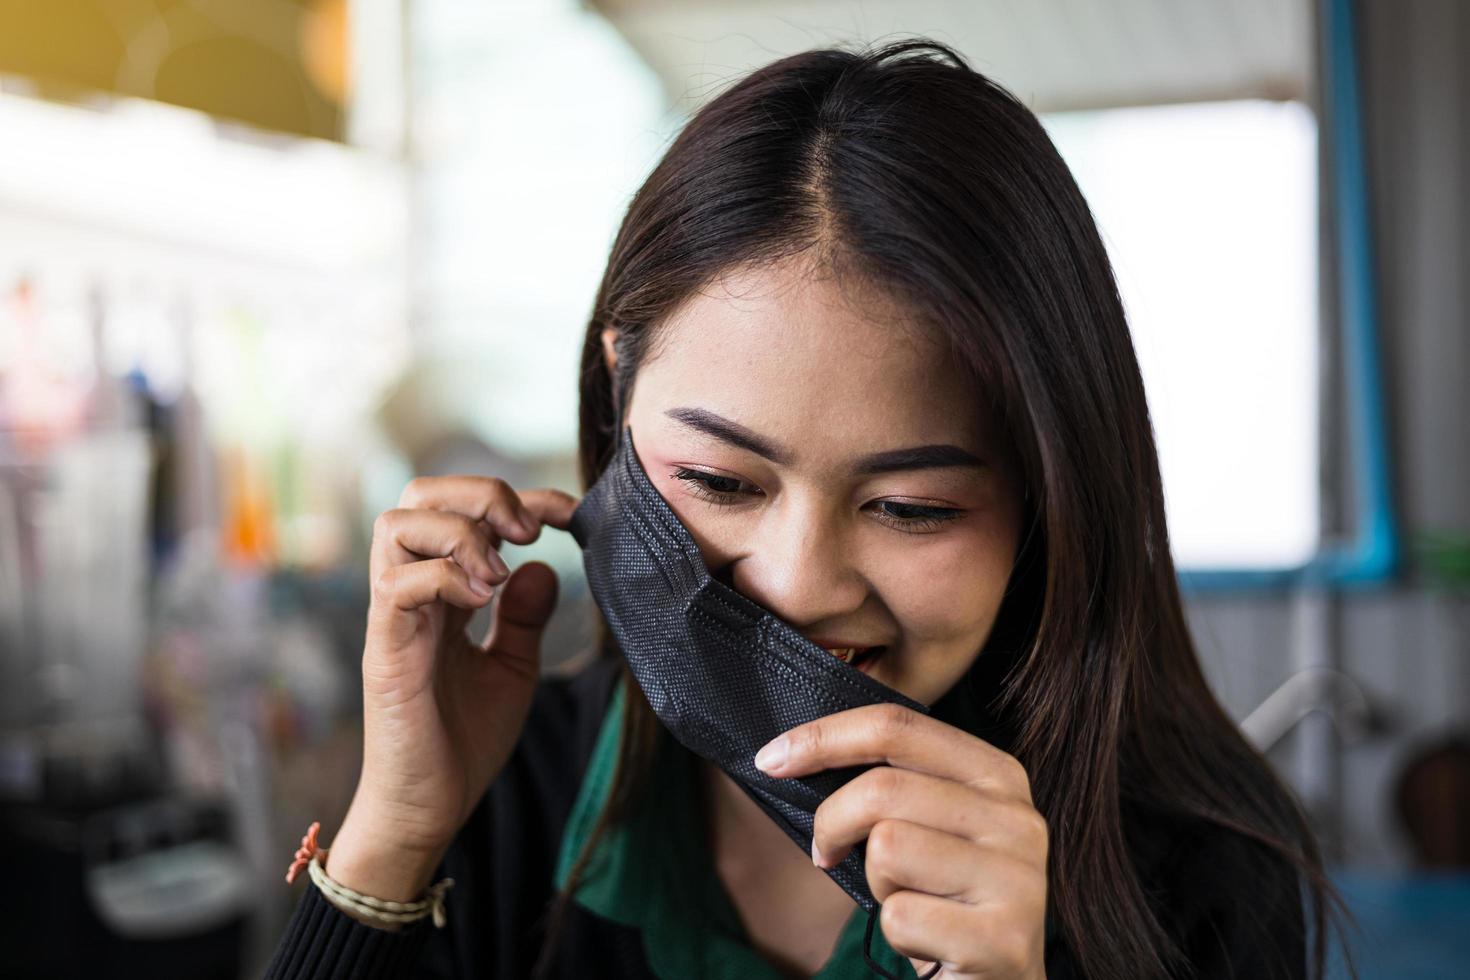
x=933, y=457
x=731, y=433
x=936, y=456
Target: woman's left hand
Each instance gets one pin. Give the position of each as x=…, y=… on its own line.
x=956, y=852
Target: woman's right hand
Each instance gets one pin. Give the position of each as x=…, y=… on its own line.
x=442, y=712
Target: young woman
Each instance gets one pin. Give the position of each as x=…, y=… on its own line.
x=862, y=325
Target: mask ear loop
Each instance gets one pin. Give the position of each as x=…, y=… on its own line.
x=873, y=964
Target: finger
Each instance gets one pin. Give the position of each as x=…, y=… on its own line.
x=1005, y=825
x=551, y=507
x=402, y=536
x=401, y=590
x=903, y=856
x=515, y=516
x=897, y=736
x=526, y=603
x=967, y=939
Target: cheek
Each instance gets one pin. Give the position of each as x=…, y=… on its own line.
x=949, y=591
x=716, y=534
x=718, y=539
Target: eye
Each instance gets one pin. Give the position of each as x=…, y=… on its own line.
x=714, y=487
x=914, y=518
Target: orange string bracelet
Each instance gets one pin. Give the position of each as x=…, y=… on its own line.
x=305, y=852
x=312, y=856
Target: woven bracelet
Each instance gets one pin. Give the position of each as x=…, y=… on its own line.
x=313, y=858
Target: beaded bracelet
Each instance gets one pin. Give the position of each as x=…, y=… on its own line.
x=313, y=857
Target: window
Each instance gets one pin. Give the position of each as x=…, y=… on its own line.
x=1209, y=212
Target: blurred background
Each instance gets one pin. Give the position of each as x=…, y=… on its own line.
x=263, y=261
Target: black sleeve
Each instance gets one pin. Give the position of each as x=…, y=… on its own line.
x=502, y=862
x=324, y=943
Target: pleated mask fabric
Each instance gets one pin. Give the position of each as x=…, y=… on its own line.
x=723, y=674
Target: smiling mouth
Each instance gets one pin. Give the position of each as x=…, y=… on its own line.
x=855, y=655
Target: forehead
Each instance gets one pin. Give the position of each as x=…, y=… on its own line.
x=832, y=366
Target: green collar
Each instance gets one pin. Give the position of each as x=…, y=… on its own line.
x=653, y=871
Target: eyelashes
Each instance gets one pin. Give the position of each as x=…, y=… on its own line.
x=720, y=490
x=918, y=516
x=712, y=486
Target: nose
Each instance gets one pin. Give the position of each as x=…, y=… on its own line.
x=800, y=564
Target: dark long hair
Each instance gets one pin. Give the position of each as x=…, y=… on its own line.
x=904, y=166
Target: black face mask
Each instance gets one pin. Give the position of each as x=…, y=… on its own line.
x=723, y=674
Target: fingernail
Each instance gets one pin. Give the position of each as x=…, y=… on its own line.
x=772, y=755
x=480, y=588
x=498, y=563
x=816, y=855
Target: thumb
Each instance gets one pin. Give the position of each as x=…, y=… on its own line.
x=525, y=604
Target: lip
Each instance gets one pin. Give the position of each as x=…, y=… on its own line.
x=863, y=661
x=829, y=643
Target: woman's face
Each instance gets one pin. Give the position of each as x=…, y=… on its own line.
x=833, y=465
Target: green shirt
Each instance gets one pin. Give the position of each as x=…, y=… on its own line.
x=653, y=871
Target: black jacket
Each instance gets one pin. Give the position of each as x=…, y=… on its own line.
x=1234, y=924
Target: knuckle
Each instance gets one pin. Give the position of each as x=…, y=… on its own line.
x=808, y=741
x=1016, y=775
x=503, y=504
x=385, y=585
x=879, y=874
x=479, y=535
x=384, y=524
x=881, y=784
x=466, y=532
x=891, y=720
x=1039, y=831
x=896, y=917
x=500, y=491
x=883, y=843
x=414, y=491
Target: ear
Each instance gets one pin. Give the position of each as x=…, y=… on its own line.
x=609, y=351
